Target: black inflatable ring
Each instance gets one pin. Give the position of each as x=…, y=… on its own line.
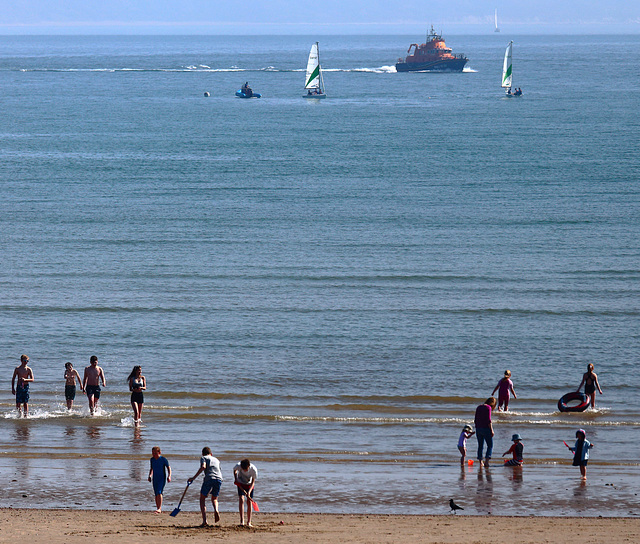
x=585, y=401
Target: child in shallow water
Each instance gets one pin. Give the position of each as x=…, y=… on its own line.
x=581, y=452
x=505, y=386
x=467, y=431
x=70, y=377
x=516, y=450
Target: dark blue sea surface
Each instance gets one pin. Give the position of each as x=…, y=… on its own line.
x=327, y=287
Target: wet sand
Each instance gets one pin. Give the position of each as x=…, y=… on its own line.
x=112, y=483
x=103, y=526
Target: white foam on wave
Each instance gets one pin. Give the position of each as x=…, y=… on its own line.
x=393, y=420
x=469, y=70
x=379, y=70
x=388, y=69
x=60, y=411
x=205, y=68
x=52, y=413
x=198, y=67
x=591, y=413
x=516, y=413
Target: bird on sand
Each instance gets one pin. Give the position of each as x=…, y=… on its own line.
x=454, y=506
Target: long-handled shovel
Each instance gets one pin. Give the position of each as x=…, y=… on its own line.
x=177, y=508
x=254, y=504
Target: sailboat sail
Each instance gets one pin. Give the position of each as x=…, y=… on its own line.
x=506, y=67
x=313, y=69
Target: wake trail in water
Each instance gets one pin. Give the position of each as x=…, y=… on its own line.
x=207, y=69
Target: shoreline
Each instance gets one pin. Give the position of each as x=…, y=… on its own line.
x=327, y=488
x=112, y=526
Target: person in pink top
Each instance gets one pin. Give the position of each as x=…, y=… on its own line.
x=484, y=429
x=504, y=387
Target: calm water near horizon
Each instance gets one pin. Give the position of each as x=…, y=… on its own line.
x=327, y=287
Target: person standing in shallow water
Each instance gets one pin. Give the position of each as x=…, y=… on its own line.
x=137, y=384
x=93, y=375
x=70, y=377
x=590, y=381
x=505, y=385
x=24, y=376
x=581, y=452
x=484, y=429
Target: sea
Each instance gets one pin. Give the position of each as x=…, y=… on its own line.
x=326, y=287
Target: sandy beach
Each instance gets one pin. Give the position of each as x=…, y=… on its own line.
x=70, y=526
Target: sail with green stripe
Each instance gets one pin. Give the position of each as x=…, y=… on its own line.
x=506, y=67
x=314, y=82
x=313, y=78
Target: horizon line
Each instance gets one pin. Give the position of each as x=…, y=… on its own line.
x=481, y=26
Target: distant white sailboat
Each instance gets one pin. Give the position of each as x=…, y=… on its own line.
x=496, y=21
x=314, y=82
x=507, y=72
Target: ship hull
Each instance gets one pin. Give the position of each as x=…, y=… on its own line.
x=448, y=65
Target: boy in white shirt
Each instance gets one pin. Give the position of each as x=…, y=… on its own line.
x=211, y=484
x=245, y=475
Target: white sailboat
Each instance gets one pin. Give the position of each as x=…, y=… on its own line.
x=507, y=72
x=496, y=21
x=314, y=82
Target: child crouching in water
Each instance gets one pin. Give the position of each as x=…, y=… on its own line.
x=467, y=431
x=516, y=451
x=581, y=452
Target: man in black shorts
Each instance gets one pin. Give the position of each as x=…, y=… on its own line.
x=93, y=375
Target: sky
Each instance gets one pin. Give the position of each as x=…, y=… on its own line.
x=324, y=17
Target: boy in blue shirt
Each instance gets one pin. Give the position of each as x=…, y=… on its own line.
x=159, y=474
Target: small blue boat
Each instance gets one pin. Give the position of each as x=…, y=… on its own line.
x=247, y=92
x=240, y=94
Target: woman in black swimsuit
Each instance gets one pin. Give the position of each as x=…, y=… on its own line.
x=590, y=381
x=137, y=384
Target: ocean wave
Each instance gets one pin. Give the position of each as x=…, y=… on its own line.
x=337, y=452
x=101, y=414
x=52, y=401
x=378, y=70
x=378, y=419
x=374, y=408
x=311, y=401
x=181, y=310
x=589, y=414
x=119, y=414
x=205, y=68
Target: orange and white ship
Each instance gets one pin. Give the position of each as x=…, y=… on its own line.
x=432, y=56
